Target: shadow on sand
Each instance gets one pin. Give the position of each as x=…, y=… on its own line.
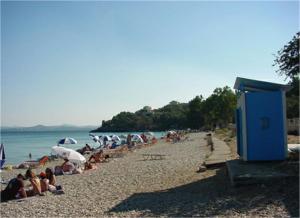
x=214, y=196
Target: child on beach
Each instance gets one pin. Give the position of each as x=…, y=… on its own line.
x=14, y=189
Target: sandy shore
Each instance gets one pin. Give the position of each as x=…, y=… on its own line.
x=132, y=187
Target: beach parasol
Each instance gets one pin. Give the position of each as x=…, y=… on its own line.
x=96, y=138
x=137, y=138
x=66, y=153
x=2, y=156
x=105, y=138
x=115, y=137
x=67, y=141
x=149, y=133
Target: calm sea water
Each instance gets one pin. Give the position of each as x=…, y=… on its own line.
x=18, y=145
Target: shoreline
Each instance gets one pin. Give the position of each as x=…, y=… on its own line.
x=131, y=186
x=17, y=146
x=114, y=181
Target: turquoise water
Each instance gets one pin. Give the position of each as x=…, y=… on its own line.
x=18, y=145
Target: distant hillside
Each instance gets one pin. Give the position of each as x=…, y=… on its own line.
x=199, y=113
x=42, y=128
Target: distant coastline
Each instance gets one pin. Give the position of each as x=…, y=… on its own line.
x=43, y=128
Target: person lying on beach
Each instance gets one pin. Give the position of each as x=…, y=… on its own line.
x=97, y=157
x=35, y=183
x=89, y=166
x=14, y=189
x=85, y=149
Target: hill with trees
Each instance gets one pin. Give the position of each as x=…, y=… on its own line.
x=199, y=113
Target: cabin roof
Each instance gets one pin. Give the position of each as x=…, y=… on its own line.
x=244, y=84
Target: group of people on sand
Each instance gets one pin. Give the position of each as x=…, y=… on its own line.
x=174, y=137
x=16, y=189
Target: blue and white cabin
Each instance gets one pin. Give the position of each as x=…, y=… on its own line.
x=261, y=120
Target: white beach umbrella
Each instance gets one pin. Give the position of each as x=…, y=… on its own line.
x=115, y=137
x=171, y=132
x=66, y=153
x=137, y=138
x=67, y=141
x=96, y=138
x=123, y=136
x=149, y=133
x=105, y=137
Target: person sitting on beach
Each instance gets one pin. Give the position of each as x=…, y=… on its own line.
x=114, y=144
x=65, y=169
x=68, y=167
x=14, y=189
x=85, y=149
x=35, y=183
x=144, y=137
x=50, y=176
x=97, y=157
x=129, y=137
x=154, y=140
x=53, y=187
x=44, y=182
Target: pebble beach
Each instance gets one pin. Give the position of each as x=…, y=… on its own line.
x=132, y=186
x=99, y=192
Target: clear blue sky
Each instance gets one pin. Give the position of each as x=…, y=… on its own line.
x=82, y=62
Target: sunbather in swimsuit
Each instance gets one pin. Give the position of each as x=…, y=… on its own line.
x=35, y=183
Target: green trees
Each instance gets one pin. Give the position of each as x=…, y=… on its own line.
x=292, y=99
x=195, y=113
x=218, y=109
x=287, y=60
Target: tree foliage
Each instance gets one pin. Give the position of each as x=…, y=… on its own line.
x=287, y=59
x=195, y=113
x=218, y=109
